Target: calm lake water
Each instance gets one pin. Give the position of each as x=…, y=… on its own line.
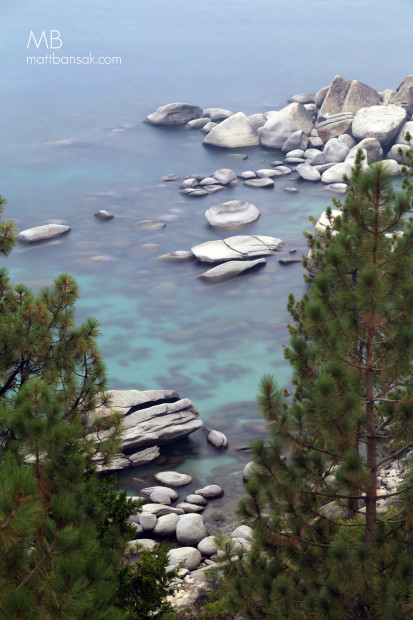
x=161, y=326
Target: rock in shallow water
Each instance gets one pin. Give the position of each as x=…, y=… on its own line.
x=190, y=529
x=104, y=215
x=42, y=233
x=230, y=269
x=173, y=478
x=174, y=114
x=211, y=491
x=234, y=132
x=261, y=182
x=232, y=214
x=236, y=248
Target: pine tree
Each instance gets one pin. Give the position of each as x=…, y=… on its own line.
x=63, y=532
x=322, y=548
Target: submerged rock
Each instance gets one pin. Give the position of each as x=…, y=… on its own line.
x=178, y=256
x=260, y=182
x=232, y=214
x=174, y=114
x=42, y=233
x=211, y=491
x=104, y=215
x=229, y=270
x=217, y=438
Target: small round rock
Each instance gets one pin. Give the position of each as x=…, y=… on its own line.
x=211, y=491
x=173, y=478
x=104, y=215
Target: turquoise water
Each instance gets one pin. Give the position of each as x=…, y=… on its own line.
x=161, y=326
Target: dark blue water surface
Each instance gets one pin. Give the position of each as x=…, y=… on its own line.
x=161, y=326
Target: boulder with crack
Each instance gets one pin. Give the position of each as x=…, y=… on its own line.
x=239, y=247
x=149, y=419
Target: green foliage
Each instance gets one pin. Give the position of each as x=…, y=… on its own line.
x=143, y=587
x=63, y=532
x=320, y=548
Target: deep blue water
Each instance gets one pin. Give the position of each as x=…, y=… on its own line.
x=161, y=327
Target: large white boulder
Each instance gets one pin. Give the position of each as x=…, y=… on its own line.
x=190, y=557
x=173, y=478
x=280, y=125
x=372, y=148
x=234, y=132
x=308, y=173
x=335, y=173
x=174, y=114
x=232, y=214
x=336, y=96
x=380, y=122
x=190, y=529
x=360, y=96
x=401, y=136
x=239, y=247
x=229, y=270
x=42, y=233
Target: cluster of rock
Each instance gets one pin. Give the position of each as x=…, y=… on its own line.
x=230, y=254
x=184, y=528
x=320, y=132
x=150, y=419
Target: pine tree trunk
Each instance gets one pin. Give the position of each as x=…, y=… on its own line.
x=371, y=494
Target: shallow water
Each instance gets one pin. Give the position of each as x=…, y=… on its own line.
x=161, y=326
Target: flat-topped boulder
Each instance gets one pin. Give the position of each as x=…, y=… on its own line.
x=149, y=419
x=380, y=122
x=234, y=132
x=232, y=214
x=173, y=478
x=280, y=125
x=260, y=182
x=231, y=269
x=238, y=247
x=174, y=114
x=42, y=233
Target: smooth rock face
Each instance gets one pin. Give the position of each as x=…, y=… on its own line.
x=177, y=256
x=197, y=123
x=217, y=438
x=190, y=508
x=228, y=270
x=158, y=494
x=268, y=173
x=236, y=248
x=372, y=147
x=188, y=555
x=336, y=96
x=334, y=126
x=232, y=214
x=160, y=509
x=308, y=173
x=360, y=96
x=380, y=122
x=208, y=546
x=335, y=151
x=166, y=525
x=260, y=182
x=217, y=114
x=323, y=220
x=208, y=127
x=159, y=424
x=297, y=140
x=42, y=233
x=211, y=189
x=257, y=120
x=404, y=95
x=210, y=491
x=346, y=139
x=190, y=529
x=104, y=215
x=320, y=96
x=303, y=98
x=193, y=498
x=335, y=173
x=224, y=176
x=242, y=531
x=248, y=174
x=234, y=132
x=173, y=478
x=283, y=169
x=351, y=158
x=147, y=521
x=174, y=114
x=392, y=167
x=280, y=125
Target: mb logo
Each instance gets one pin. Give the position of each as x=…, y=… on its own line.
x=53, y=42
